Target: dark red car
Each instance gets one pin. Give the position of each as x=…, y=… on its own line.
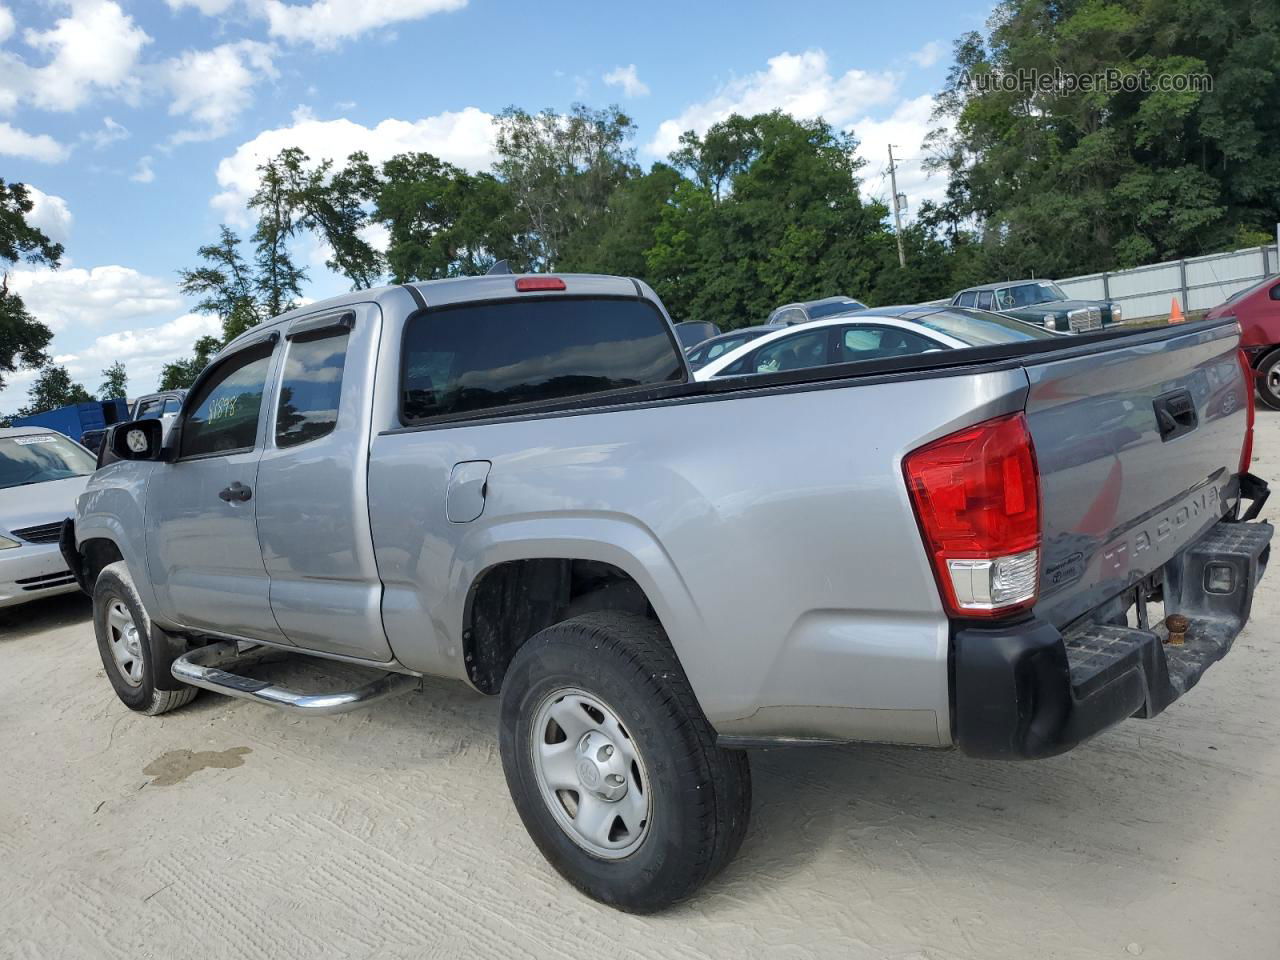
x=1257, y=309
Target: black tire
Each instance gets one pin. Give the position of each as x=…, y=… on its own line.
x=1269, y=380
x=699, y=795
x=136, y=687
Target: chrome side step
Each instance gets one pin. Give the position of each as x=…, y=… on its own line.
x=202, y=667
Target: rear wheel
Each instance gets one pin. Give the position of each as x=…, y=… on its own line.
x=1269, y=380
x=612, y=766
x=123, y=629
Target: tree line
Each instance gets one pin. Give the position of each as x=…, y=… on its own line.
x=761, y=210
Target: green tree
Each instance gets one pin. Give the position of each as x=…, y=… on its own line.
x=115, y=382
x=53, y=388
x=562, y=170
x=181, y=374
x=441, y=221
x=227, y=286
x=278, y=280
x=1056, y=184
x=22, y=337
x=770, y=211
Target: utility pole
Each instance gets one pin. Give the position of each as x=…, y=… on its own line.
x=897, y=209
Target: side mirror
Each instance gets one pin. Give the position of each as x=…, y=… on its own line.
x=137, y=440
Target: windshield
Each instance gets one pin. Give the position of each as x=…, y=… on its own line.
x=1029, y=294
x=832, y=309
x=978, y=328
x=41, y=457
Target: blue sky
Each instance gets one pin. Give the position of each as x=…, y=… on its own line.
x=140, y=125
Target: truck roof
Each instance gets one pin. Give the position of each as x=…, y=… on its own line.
x=438, y=293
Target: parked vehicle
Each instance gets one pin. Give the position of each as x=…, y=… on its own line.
x=708, y=350
x=76, y=419
x=880, y=334
x=1041, y=302
x=41, y=474
x=792, y=313
x=163, y=406
x=512, y=481
x=1257, y=310
x=690, y=333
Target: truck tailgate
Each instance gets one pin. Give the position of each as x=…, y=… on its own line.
x=1137, y=445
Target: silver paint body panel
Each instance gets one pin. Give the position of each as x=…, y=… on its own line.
x=770, y=528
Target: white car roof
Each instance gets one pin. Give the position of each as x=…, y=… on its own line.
x=862, y=317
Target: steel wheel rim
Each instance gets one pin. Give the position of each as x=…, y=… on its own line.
x=125, y=640
x=579, y=749
x=1273, y=382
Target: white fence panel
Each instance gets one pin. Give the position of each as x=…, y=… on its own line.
x=1198, y=283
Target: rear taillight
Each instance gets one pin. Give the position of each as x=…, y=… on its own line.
x=976, y=495
x=1250, y=388
x=530, y=284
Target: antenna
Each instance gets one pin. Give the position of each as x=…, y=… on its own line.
x=499, y=266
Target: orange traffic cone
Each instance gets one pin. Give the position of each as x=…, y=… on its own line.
x=1175, y=312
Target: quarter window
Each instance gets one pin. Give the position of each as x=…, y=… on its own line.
x=310, y=389
x=224, y=413
x=966, y=299
x=984, y=300
x=879, y=343
x=484, y=356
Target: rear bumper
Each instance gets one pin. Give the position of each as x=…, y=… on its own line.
x=1026, y=690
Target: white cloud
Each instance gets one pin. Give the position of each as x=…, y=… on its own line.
x=31, y=146
x=73, y=299
x=212, y=87
x=210, y=8
x=906, y=129
x=799, y=84
x=464, y=137
x=929, y=54
x=143, y=350
x=95, y=47
x=144, y=173
x=6, y=24
x=110, y=133
x=324, y=23
x=626, y=78
x=49, y=214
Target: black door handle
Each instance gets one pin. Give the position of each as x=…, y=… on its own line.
x=236, y=492
x=1175, y=414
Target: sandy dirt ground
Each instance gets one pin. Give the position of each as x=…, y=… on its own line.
x=230, y=830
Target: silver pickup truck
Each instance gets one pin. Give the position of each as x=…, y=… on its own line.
x=515, y=482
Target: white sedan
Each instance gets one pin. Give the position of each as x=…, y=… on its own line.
x=875, y=334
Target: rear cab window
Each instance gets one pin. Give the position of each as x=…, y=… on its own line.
x=491, y=356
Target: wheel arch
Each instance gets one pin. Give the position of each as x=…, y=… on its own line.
x=602, y=564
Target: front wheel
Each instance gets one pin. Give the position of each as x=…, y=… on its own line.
x=1268, y=380
x=123, y=629
x=613, y=767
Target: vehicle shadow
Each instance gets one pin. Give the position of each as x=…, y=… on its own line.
x=38, y=616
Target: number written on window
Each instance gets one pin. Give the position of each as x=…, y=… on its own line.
x=224, y=413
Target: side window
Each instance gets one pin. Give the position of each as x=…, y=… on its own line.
x=984, y=300
x=224, y=412
x=877, y=343
x=793, y=353
x=697, y=354
x=149, y=410
x=966, y=299
x=171, y=405
x=794, y=315
x=310, y=389
x=723, y=347
x=486, y=355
